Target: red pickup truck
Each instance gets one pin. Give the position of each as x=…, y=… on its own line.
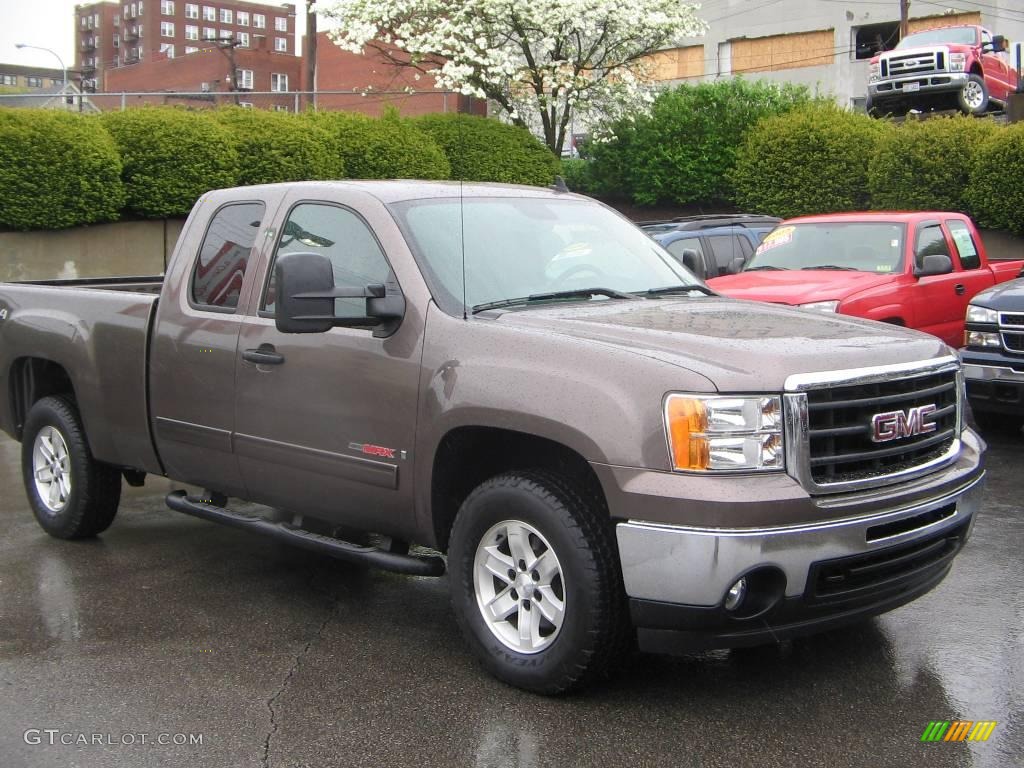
x=936, y=66
x=917, y=270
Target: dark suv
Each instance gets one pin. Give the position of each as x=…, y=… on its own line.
x=709, y=244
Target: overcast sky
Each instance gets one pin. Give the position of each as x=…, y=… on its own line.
x=51, y=24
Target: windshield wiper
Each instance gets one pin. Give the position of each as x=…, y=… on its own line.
x=669, y=289
x=832, y=266
x=766, y=266
x=577, y=293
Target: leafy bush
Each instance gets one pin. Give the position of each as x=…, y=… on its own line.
x=683, y=151
x=811, y=160
x=171, y=157
x=926, y=164
x=995, y=194
x=274, y=146
x=56, y=170
x=578, y=175
x=485, y=149
x=384, y=148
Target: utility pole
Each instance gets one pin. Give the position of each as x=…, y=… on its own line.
x=227, y=45
x=904, y=18
x=311, y=52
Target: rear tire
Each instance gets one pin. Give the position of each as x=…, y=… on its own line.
x=72, y=495
x=535, y=547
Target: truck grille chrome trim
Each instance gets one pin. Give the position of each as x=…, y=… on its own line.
x=828, y=424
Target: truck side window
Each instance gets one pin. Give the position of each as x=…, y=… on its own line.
x=341, y=236
x=224, y=255
x=964, y=242
x=930, y=241
x=727, y=248
x=676, y=248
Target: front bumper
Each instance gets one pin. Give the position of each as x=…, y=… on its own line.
x=803, y=578
x=994, y=386
x=895, y=89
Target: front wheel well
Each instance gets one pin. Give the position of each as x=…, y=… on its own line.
x=467, y=456
x=895, y=321
x=32, y=379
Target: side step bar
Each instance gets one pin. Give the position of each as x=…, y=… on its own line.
x=412, y=565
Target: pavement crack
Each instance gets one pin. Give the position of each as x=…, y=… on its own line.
x=296, y=663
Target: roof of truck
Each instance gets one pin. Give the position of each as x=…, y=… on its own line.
x=905, y=217
x=395, y=190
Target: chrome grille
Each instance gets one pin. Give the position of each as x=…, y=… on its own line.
x=914, y=64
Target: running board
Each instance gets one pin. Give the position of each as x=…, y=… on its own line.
x=342, y=550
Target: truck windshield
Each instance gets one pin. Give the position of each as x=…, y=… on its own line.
x=526, y=247
x=956, y=35
x=864, y=247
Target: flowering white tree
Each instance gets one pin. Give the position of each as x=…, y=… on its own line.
x=541, y=61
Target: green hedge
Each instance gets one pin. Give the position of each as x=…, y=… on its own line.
x=996, y=194
x=485, y=149
x=811, y=160
x=926, y=164
x=384, y=148
x=171, y=157
x=274, y=146
x=56, y=170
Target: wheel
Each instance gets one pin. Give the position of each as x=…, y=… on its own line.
x=998, y=423
x=72, y=495
x=973, y=97
x=536, y=583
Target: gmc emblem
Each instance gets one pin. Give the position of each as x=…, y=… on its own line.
x=892, y=425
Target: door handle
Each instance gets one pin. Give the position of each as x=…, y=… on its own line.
x=959, y=288
x=264, y=355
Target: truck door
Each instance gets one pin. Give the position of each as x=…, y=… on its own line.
x=326, y=421
x=973, y=276
x=999, y=77
x=192, y=361
x=938, y=306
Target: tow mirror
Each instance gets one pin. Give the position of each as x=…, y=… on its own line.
x=736, y=265
x=306, y=293
x=692, y=261
x=935, y=264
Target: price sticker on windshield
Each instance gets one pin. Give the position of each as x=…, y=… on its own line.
x=775, y=238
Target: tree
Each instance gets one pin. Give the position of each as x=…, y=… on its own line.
x=541, y=61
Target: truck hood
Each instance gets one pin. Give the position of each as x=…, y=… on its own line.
x=1006, y=297
x=798, y=286
x=739, y=346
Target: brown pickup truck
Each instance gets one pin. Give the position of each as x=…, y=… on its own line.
x=519, y=378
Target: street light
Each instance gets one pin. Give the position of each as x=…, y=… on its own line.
x=48, y=50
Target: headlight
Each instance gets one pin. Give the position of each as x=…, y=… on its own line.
x=957, y=62
x=874, y=72
x=821, y=306
x=981, y=339
x=976, y=314
x=715, y=433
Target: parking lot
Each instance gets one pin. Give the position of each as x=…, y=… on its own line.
x=170, y=627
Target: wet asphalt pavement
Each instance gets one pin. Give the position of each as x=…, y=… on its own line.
x=170, y=625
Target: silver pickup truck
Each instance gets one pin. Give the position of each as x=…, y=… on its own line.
x=520, y=379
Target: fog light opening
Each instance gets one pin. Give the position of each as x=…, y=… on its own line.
x=734, y=597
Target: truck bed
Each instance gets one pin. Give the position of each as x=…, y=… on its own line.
x=98, y=331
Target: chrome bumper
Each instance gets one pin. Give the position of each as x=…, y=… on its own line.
x=973, y=372
x=696, y=566
x=928, y=83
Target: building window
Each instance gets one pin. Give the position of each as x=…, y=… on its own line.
x=191, y=32
x=117, y=41
x=8, y=80
x=242, y=18
x=34, y=82
x=225, y=34
x=134, y=7
x=55, y=81
x=96, y=20
x=281, y=44
x=243, y=39
x=209, y=14
x=280, y=107
x=281, y=24
x=245, y=104
x=166, y=29
x=243, y=78
x=167, y=49
x=167, y=7
x=209, y=33
x=191, y=11
x=225, y=15
x=278, y=82
x=117, y=20
x=875, y=38
x=190, y=49
x=259, y=20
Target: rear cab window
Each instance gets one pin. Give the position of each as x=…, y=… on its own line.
x=224, y=257
x=964, y=244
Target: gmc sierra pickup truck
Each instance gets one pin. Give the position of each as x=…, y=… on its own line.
x=518, y=379
x=917, y=270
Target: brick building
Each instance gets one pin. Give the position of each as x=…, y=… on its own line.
x=158, y=45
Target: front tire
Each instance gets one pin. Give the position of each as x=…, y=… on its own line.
x=72, y=495
x=536, y=583
x=973, y=97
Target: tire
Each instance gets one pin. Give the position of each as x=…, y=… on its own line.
x=998, y=423
x=571, y=538
x=973, y=97
x=83, y=493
